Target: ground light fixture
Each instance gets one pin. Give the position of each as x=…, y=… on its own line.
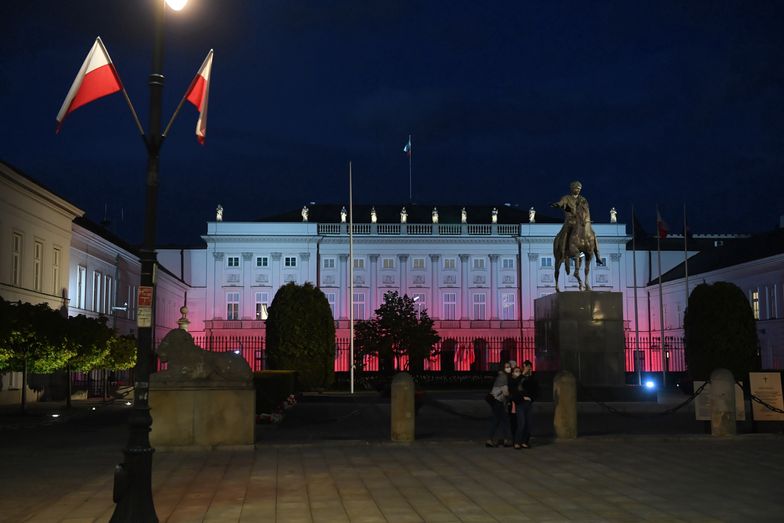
x=650, y=384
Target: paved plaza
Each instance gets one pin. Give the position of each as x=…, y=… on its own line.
x=342, y=467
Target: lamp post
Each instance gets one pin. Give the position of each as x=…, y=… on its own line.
x=133, y=478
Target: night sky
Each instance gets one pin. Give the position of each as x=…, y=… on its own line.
x=675, y=102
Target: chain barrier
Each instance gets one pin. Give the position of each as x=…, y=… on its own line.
x=623, y=413
x=766, y=405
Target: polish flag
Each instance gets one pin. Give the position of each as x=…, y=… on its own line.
x=198, y=94
x=96, y=78
x=661, y=226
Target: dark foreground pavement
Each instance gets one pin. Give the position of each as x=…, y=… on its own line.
x=330, y=460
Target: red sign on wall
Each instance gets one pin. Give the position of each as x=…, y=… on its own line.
x=145, y=297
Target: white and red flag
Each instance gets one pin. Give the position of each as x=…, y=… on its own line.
x=661, y=226
x=198, y=94
x=96, y=78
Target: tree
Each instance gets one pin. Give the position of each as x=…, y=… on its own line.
x=32, y=339
x=396, y=331
x=720, y=331
x=301, y=335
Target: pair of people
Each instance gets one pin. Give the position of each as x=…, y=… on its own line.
x=514, y=390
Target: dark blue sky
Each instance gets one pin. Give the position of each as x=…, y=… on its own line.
x=665, y=101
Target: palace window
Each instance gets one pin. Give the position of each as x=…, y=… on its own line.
x=480, y=300
x=331, y=300
x=508, y=306
x=232, y=305
x=479, y=263
x=81, y=284
x=418, y=263
x=97, y=291
x=449, y=264
x=290, y=261
x=388, y=263
x=450, y=306
x=16, y=259
x=262, y=301
x=359, y=263
x=38, y=265
x=359, y=306
x=755, y=305
x=262, y=261
x=547, y=261
x=232, y=261
x=57, y=260
x=329, y=263
x=507, y=263
x=419, y=303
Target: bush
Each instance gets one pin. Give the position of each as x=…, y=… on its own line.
x=720, y=331
x=301, y=335
x=272, y=388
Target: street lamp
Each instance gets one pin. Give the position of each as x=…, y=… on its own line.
x=133, y=478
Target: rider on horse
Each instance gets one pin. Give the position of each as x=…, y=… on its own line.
x=575, y=208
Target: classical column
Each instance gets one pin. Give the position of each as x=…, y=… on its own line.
x=403, y=258
x=373, y=282
x=247, y=298
x=217, y=273
x=305, y=269
x=492, y=299
x=434, y=286
x=464, y=286
x=342, y=300
x=276, y=271
x=531, y=284
x=615, y=270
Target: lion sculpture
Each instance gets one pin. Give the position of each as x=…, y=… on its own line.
x=187, y=362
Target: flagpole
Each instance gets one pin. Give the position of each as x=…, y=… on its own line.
x=410, y=177
x=351, y=274
x=124, y=92
x=188, y=90
x=661, y=303
x=686, y=255
x=637, y=363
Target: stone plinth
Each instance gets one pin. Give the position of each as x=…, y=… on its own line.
x=581, y=332
x=202, y=415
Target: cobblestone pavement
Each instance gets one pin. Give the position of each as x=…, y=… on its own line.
x=62, y=472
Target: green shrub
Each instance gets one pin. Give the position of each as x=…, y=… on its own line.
x=301, y=335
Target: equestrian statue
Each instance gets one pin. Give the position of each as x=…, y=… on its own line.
x=576, y=240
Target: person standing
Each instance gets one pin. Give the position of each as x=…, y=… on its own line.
x=498, y=399
x=524, y=393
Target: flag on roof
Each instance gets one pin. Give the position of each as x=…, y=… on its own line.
x=96, y=78
x=198, y=94
x=661, y=226
x=407, y=147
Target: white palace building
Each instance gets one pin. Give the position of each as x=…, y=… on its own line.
x=476, y=269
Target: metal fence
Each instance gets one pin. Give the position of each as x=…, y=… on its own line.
x=649, y=354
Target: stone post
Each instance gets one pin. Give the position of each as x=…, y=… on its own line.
x=402, y=407
x=565, y=405
x=722, y=390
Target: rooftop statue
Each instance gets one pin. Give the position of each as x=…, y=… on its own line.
x=576, y=240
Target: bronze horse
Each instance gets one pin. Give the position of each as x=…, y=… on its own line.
x=580, y=243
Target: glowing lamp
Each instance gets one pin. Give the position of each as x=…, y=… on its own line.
x=176, y=5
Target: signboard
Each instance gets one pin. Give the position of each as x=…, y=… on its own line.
x=767, y=387
x=144, y=309
x=702, y=403
x=145, y=297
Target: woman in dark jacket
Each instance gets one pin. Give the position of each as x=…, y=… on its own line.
x=523, y=393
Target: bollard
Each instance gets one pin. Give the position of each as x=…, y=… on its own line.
x=722, y=400
x=402, y=407
x=565, y=405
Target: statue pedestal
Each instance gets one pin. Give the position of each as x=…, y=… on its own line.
x=581, y=332
x=199, y=414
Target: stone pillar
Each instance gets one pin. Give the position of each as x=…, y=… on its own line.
x=403, y=259
x=464, y=286
x=531, y=282
x=305, y=269
x=434, y=259
x=615, y=271
x=248, y=305
x=276, y=271
x=722, y=403
x=402, y=408
x=342, y=300
x=373, y=298
x=492, y=299
x=216, y=283
x=565, y=405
